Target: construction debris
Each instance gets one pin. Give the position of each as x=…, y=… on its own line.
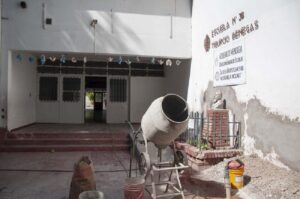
x=261, y=178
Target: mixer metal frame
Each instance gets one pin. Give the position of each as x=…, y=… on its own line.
x=147, y=168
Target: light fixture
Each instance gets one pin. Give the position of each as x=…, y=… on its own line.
x=84, y=59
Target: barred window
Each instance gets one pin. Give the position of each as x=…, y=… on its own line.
x=48, y=89
x=71, y=89
x=118, y=90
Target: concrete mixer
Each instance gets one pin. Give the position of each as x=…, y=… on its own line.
x=165, y=119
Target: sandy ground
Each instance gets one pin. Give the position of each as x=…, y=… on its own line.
x=261, y=178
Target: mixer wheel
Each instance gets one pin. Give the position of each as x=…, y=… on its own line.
x=144, y=164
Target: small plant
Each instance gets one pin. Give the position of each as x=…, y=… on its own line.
x=203, y=146
x=192, y=142
x=90, y=95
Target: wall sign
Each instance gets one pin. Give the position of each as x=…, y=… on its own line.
x=214, y=40
x=229, y=65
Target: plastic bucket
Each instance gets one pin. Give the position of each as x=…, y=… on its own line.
x=134, y=188
x=236, y=177
x=91, y=195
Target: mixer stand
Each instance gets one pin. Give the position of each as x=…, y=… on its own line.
x=158, y=167
x=149, y=168
x=163, y=167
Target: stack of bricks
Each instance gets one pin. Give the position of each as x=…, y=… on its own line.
x=216, y=128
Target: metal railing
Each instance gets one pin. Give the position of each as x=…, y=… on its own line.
x=212, y=133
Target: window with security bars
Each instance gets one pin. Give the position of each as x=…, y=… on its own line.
x=71, y=89
x=118, y=90
x=48, y=88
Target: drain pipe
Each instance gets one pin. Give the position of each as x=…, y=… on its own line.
x=227, y=182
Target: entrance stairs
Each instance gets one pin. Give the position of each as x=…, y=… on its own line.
x=64, y=142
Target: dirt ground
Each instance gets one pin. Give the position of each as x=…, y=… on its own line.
x=261, y=179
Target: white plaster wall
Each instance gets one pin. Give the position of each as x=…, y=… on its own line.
x=177, y=78
x=272, y=68
x=21, y=91
x=137, y=27
x=2, y=82
x=143, y=91
x=130, y=27
x=271, y=51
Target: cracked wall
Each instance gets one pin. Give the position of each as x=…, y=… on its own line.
x=268, y=135
x=267, y=105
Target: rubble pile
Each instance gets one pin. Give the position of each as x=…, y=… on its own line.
x=262, y=179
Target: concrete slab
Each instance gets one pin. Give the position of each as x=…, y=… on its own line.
x=48, y=175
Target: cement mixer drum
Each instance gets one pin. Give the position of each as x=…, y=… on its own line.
x=165, y=119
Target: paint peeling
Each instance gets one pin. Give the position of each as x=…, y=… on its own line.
x=273, y=158
x=265, y=134
x=249, y=149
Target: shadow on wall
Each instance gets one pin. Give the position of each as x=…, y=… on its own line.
x=177, y=78
x=104, y=39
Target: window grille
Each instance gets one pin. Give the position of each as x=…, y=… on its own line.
x=118, y=90
x=48, y=89
x=71, y=89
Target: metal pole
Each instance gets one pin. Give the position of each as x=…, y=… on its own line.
x=129, y=92
x=221, y=136
x=233, y=131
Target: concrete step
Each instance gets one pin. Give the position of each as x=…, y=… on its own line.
x=64, y=141
x=67, y=135
x=60, y=148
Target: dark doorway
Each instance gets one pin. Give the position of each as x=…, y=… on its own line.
x=95, y=99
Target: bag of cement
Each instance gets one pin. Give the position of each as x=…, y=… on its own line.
x=83, y=178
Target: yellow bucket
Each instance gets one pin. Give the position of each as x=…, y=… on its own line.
x=236, y=177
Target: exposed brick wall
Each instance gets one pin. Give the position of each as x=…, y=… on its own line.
x=201, y=159
x=216, y=128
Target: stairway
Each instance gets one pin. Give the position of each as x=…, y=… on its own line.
x=65, y=142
